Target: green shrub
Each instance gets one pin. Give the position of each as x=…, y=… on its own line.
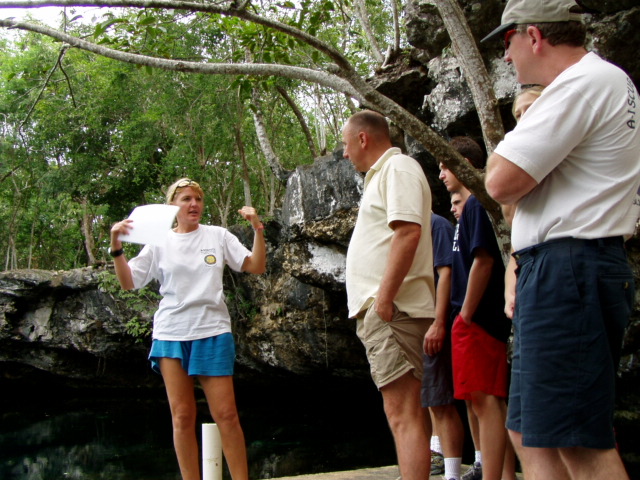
x=139, y=305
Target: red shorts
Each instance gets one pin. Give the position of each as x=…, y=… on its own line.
x=479, y=362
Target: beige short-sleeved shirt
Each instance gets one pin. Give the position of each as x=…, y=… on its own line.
x=395, y=189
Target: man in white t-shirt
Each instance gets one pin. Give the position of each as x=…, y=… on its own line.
x=390, y=280
x=572, y=165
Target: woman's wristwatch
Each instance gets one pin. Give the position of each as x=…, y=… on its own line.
x=115, y=253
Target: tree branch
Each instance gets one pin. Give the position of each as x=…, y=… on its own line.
x=301, y=119
x=467, y=53
x=396, y=25
x=265, y=144
x=63, y=50
x=232, y=10
x=73, y=98
x=260, y=69
x=363, y=17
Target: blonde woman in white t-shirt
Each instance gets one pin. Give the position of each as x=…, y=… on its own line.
x=521, y=104
x=192, y=329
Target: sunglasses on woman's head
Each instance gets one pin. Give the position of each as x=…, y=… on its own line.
x=187, y=183
x=183, y=184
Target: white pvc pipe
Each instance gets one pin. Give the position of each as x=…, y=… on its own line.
x=211, y=452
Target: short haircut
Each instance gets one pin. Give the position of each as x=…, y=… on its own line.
x=470, y=150
x=372, y=122
x=560, y=33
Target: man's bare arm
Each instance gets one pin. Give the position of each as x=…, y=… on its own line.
x=437, y=332
x=406, y=236
x=479, y=277
x=505, y=181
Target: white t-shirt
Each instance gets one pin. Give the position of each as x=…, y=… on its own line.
x=395, y=189
x=189, y=267
x=581, y=141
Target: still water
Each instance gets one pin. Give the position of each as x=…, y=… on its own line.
x=127, y=438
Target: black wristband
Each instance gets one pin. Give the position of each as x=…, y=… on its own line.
x=116, y=253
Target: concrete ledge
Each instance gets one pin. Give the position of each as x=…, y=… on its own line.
x=381, y=473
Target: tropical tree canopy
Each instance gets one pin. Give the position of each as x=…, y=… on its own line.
x=98, y=115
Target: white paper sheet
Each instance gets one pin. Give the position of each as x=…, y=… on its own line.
x=151, y=223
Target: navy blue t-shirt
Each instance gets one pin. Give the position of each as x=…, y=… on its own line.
x=442, y=237
x=474, y=231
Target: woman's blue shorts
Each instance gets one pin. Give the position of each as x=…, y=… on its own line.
x=212, y=356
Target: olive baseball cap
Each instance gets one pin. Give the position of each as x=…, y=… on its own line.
x=536, y=11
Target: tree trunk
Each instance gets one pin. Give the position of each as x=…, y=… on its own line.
x=272, y=196
x=396, y=25
x=32, y=234
x=11, y=259
x=467, y=53
x=395, y=50
x=224, y=195
x=245, y=169
x=363, y=17
x=301, y=120
x=265, y=144
x=87, y=232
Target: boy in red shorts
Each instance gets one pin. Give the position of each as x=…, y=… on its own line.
x=481, y=329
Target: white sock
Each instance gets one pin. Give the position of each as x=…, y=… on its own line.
x=435, y=444
x=452, y=467
x=478, y=457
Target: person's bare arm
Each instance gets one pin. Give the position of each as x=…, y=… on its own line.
x=510, y=288
x=437, y=332
x=506, y=182
x=406, y=236
x=479, y=277
x=123, y=272
x=257, y=261
x=508, y=212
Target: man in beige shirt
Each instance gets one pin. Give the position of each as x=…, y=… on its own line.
x=390, y=284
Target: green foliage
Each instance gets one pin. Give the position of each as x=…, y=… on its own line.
x=244, y=308
x=85, y=140
x=140, y=305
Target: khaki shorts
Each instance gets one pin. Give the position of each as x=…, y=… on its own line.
x=393, y=348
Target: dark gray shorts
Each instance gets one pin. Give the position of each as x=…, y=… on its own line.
x=437, y=377
x=573, y=301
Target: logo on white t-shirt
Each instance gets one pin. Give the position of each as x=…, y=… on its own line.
x=456, y=247
x=631, y=102
x=210, y=259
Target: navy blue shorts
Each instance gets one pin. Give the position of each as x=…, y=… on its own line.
x=212, y=356
x=573, y=301
x=437, y=377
